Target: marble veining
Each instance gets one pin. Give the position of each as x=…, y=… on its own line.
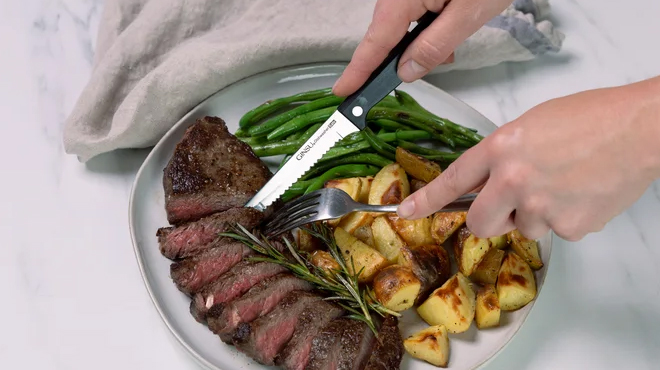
x=74, y=295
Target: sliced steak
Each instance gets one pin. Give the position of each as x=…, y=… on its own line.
x=315, y=316
x=194, y=237
x=327, y=345
x=211, y=170
x=232, y=284
x=264, y=338
x=223, y=319
x=342, y=345
x=388, y=352
x=193, y=273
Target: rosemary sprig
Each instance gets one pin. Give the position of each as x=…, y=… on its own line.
x=342, y=285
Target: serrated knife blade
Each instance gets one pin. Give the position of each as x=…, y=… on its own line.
x=349, y=117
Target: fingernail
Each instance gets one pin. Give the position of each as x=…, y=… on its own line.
x=406, y=209
x=411, y=71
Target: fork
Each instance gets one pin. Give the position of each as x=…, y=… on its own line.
x=331, y=203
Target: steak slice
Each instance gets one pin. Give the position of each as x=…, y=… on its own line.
x=388, y=352
x=210, y=171
x=193, y=273
x=264, y=338
x=194, y=237
x=223, y=319
x=315, y=316
x=343, y=344
x=232, y=284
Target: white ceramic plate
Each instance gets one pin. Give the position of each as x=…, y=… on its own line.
x=469, y=350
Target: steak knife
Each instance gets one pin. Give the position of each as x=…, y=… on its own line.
x=349, y=117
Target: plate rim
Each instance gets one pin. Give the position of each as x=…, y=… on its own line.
x=138, y=254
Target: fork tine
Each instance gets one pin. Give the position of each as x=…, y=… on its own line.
x=301, y=199
x=292, y=216
x=297, y=223
x=285, y=213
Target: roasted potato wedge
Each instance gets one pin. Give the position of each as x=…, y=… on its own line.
x=354, y=220
x=499, y=242
x=386, y=240
x=307, y=242
x=413, y=232
x=390, y=185
x=365, y=187
x=352, y=186
x=528, y=249
x=365, y=235
x=324, y=260
x=396, y=287
x=416, y=185
x=487, y=312
x=469, y=251
x=451, y=305
x=430, y=345
x=516, y=285
x=445, y=224
x=430, y=263
x=488, y=269
x=363, y=256
x=417, y=166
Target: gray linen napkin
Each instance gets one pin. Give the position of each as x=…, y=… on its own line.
x=157, y=59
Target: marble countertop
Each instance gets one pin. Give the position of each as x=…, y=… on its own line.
x=74, y=298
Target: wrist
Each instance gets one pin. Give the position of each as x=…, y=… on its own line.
x=646, y=120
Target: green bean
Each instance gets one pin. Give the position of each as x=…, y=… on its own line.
x=241, y=133
x=298, y=188
x=431, y=154
x=279, y=120
x=295, y=136
x=284, y=160
x=391, y=125
x=339, y=151
x=443, y=157
x=414, y=119
x=347, y=170
x=300, y=122
x=380, y=146
x=407, y=101
x=283, y=147
x=255, y=115
x=351, y=139
x=360, y=158
x=253, y=141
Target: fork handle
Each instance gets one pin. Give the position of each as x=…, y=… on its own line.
x=463, y=203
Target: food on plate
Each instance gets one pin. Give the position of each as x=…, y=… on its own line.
x=388, y=350
x=430, y=344
x=487, y=312
x=355, y=220
x=365, y=188
x=359, y=256
x=526, y=248
x=499, y=242
x=413, y=232
x=307, y=242
x=386, y=240
x=324, y=260
x=430, y=263
x=390, y=185
x=365, y=235
x=445, y=224
x=264, y=338
x=469, y=250
x=342, y=344
x=416, y=185
x=352, y=186
x=224, y=319
x=417, y=166
x=451, y=305
x=516, y=285
x=210, y=171
x=396, y=287
x=488, y=269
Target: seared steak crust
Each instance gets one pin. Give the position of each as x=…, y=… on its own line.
x=191, y=274
x=327, y=345
x=197, y=236
x=232, y=284
x=210, y=171
x=264, y=338
x=388, y=352
x=223, y=319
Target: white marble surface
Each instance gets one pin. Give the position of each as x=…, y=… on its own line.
x=73, y=296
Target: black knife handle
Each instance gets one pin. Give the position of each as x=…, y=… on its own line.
x=383, y=80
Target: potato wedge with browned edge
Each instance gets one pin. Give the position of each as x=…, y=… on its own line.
x=365, y=235
x=430, y=345
x=307, y=242
x=451, y=305
x=430, y=263
x=386, y=240
x=352, y=186
x=365, y=187
x=324, y=260
x=354, y=220
x=516, y=285
x=396, y=287
x=364, y=258
x=487, y=312
x=417, y=166
x=445, y=224
x=469, y=250
x=390, y=185
x=488, y=269
x=528, y=249
x=413, y=232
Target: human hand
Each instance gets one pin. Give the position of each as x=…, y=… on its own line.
x=391, y=21
x=570, y=165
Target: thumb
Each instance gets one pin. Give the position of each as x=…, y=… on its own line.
x=467, y=173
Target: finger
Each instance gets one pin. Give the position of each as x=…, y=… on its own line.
x=530, y=225
x=457, y=22
x=468, y=172
x=390, y=23
x=491, y=212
